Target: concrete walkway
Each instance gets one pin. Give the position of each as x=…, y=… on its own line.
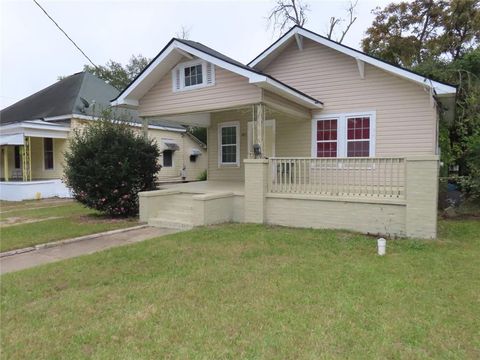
x=83, y=247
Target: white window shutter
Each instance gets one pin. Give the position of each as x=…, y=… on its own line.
x=176, y=79
x=210, y=74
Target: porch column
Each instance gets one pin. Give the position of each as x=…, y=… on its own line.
x=421, y=184
x=27, y=159
x=256, y=177
x=259, y=127
x=5, y=163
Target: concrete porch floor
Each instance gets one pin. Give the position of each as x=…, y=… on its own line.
x=207, y=187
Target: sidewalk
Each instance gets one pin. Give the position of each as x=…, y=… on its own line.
x=83, y=247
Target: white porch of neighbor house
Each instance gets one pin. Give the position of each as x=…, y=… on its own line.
x=31, y=164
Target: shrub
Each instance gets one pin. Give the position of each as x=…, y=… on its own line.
x=202, y=176
x=107, y=164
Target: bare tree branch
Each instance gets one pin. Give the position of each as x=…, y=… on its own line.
x=351, y=20
x=183, y=33
x=287, y=13
x=334, y=22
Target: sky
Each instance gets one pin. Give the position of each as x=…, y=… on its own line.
x=33, y=52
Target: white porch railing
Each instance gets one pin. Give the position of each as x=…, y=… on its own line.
x=351, y=177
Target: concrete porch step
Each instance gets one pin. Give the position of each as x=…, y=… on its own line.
x=169, y=224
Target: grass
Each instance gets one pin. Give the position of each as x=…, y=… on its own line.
x=37, y=222
x=248, y=291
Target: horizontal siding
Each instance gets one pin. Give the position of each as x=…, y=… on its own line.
x=229, y=90
x=406, y=119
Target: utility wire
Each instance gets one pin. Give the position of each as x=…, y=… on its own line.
x=68, y=37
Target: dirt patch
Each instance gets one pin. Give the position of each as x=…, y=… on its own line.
x=17, y=220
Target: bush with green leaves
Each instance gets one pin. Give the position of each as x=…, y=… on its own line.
x=108, y=164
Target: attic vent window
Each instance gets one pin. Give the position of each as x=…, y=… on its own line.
x=193, y=75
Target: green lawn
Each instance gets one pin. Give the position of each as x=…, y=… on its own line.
x=247, y=291
x=35, y=222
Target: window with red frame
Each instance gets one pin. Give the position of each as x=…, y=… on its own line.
x=327, y=138
x=358, y=136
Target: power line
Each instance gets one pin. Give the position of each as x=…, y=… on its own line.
x=68, y=37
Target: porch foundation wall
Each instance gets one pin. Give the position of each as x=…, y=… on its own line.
x=364, y=217
x=33, y=190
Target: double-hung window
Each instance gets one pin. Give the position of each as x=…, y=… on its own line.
x=229, y=144
x=344, y=135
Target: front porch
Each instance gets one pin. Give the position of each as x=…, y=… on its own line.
x=387, y=196
x=31, y=161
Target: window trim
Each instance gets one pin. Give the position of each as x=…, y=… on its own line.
x=235, y=124
x=342, y=140
x=181, y=70
x=53, y=154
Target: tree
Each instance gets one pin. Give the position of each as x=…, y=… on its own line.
x=408, y=33
x=118, y=75
x=287, y=13
x=108, y=164
x=459, y=140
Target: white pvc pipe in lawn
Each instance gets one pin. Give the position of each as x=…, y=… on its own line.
x=382, y=246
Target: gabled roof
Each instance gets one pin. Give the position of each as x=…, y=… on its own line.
x=176, y=49
x=295, y=32
x=62, y=98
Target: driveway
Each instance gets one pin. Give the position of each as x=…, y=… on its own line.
x=83, y=247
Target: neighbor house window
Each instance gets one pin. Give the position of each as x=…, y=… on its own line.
x=18, y=157
x=48, y=153
x=193, y=75
x=229, y=144
x=168, y=158
x=344, y=135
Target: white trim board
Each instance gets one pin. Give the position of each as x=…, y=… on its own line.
x=440, y=88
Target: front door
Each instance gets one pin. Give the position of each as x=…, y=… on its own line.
x=269, y=140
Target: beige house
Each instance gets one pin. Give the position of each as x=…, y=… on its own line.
x=311, y=133
x=35, y=132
